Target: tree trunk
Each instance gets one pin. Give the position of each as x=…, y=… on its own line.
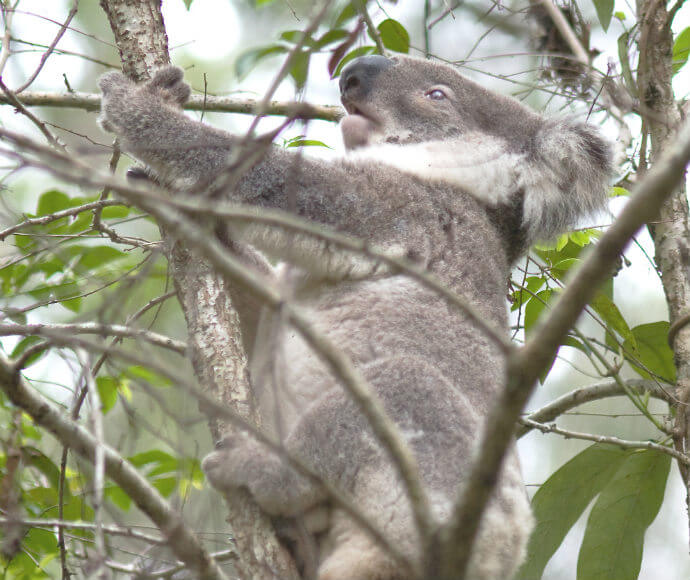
x=671, y=233
x=215, y=347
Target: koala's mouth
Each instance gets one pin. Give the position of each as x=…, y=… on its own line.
x=359, y=127
x=353, y=109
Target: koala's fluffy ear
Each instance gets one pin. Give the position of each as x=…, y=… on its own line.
x=565, y=177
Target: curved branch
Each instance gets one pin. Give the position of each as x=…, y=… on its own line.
x=590, y=393
x=181, y=539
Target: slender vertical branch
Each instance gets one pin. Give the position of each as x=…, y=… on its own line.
x=671, y=231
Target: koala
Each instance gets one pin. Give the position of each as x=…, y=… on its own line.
x=441, y=171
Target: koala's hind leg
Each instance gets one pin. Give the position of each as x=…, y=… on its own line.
x=354, y=555
x=241, y=461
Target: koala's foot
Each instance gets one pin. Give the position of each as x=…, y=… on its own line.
x=225, y=467
x=241, y=461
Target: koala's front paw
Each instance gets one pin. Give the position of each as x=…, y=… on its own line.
x=124, y=103
x=116, y=89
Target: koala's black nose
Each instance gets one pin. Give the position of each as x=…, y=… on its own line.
x=357, y=78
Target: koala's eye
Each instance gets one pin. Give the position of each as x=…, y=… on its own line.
x=435, y=95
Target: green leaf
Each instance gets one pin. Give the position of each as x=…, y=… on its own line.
x=25, y=343
x=361, y=51
x=294, y=36
x=611, y=315
x=604, y=12
x=652, y=351
x=45, y=465
x=148, y=375
x=52, y=201
x=347, y=13
x=300, y=68
x=532, y=285
x=306, y=143
x=165, y=485
x=561, y=500
x=187, y=3
x=394, y=36
x=115, y=212
x=91, y=258
x=618, y=192
x=249, y=59
x=562, y=267
x=154, y=456
x=535, y=307
x=107, y=392
x=681, y=50
x=116, y=495
x=330, y=37
x=614, y=536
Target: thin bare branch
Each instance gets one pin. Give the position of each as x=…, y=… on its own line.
x=210, y=103
x=622, y=443
x=46, y=219
x=590, y=393
x=181, y=539
x=49, y=330
x=51, y=48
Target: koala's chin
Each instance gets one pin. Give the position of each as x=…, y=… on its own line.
x=357, y=131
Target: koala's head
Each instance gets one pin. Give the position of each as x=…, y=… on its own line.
x=407, y=100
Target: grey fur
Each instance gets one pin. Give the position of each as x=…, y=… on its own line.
x=460, y=181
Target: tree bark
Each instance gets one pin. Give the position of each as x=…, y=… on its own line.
x=214, y=336
x=671, y=233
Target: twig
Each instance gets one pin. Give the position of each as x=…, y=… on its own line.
x=51, y=48
x=566, y=31
x=7, y=14
x=50, y=330
x=373, y=31
x=29, y=115
x=46, y=219
x=589, y=393
x=112, y=530
x=181, y=539
x=623, y=443
x=209, y=103
x=98, y=463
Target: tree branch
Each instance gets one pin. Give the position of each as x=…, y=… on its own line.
x=210, y=103
x=591, y=393
x=181, y=539
x=51, y=329
x=622, y=443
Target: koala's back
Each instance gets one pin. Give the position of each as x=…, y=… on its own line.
x=434, y=370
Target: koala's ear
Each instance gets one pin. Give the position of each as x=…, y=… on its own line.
x=566, y=177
